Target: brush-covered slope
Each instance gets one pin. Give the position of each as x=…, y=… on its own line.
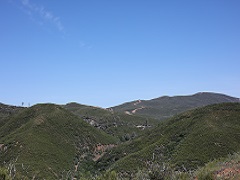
x=46, y=141
x=223, y=168
x=165, y=107
x=7, y=110
x=118, y=124
x=186, y=141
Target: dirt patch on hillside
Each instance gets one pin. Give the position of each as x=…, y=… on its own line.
x=228, y=171
x=101, y=149
x=39, y=120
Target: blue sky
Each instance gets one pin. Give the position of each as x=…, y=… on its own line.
x=106, y=52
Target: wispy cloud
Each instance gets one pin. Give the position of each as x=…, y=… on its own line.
x=38, y=11
x=82, y=44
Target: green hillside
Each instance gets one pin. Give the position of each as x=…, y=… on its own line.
x=46, y=141
x=185, y=141
x=7, y=110
x=165, y=107
x=120, y=125
x=59, y=142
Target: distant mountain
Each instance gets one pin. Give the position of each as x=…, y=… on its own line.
x=46, y=141
x=183, y=142
x=117, y=124
x=165, y=107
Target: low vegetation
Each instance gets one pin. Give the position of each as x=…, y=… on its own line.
x=123, y=126
x=185, y=142
x=48, y=141
x=223, y=168
x=6, y=110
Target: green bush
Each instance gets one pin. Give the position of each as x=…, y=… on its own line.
x=4, y=174
x=207, y=175
x=108, y=175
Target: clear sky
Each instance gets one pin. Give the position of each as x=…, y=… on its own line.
x=106, y=52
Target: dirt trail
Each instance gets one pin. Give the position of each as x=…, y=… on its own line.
x=135, y=110
x=138, y=102
x=127, y=112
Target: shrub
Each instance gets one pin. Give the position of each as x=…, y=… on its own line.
x=4, y=174
x=108, y=175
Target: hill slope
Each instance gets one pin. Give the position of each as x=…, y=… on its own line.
x=7, y=110
x=186, y=141
x=165, y=107
x=48, y=140
x=117, y=124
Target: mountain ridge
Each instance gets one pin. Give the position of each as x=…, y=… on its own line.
x=166, y=106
